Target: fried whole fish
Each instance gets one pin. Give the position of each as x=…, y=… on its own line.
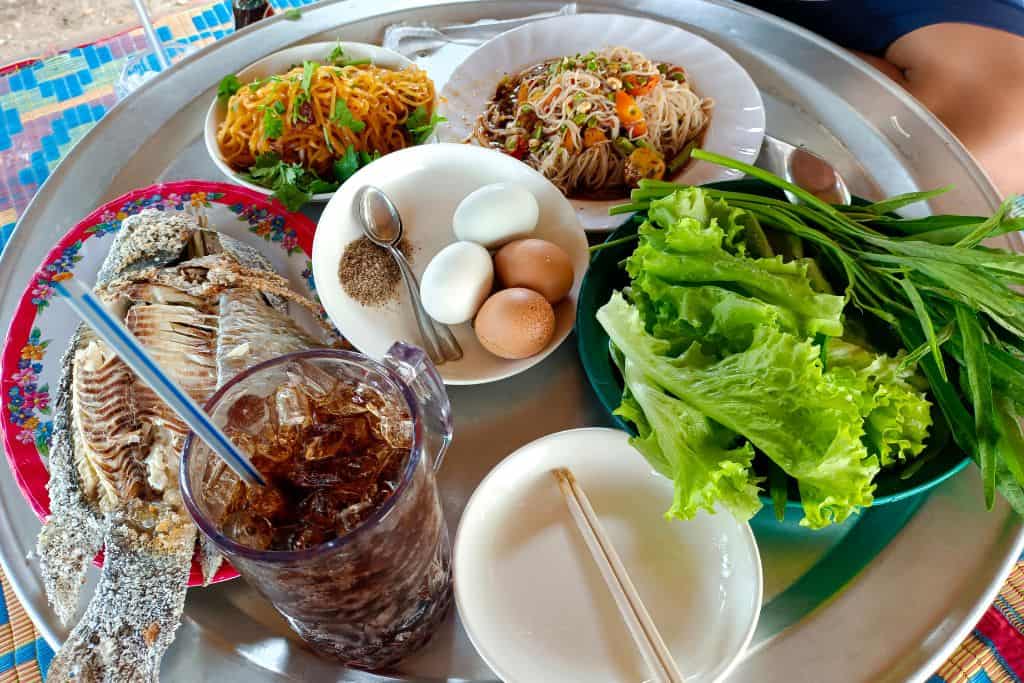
x=206, y=307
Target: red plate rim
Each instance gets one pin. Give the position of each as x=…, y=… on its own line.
x=24, y=459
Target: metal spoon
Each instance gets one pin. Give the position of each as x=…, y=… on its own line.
x=804, y=169
x=382, y=225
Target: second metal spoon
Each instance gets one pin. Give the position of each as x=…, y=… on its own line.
x=382, y=225
x=804, y=169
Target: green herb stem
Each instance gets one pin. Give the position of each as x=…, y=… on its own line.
x=613, y=243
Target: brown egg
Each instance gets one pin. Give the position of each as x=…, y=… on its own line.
x=515, y=323
x=535, y=264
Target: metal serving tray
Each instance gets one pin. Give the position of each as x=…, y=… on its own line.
x=897, y=619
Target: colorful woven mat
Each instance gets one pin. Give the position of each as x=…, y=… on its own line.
x=47, y=105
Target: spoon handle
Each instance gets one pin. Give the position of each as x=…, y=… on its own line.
x=431, y=343
x=447, y=341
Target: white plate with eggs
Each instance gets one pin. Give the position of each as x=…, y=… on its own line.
x=499, y=297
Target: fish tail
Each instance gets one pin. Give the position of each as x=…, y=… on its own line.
x=134, y=613
x=66, y=545
x=210, y=559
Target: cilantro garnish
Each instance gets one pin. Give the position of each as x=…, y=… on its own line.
x=265, y=164
x=347, y=164
x=343, y=117
x=295, y=185
x=420, y=125
x=308, y=69
x=297, y=114
x=319, y=186
x=292, y=197
x=229, y=85
x=293, y=14
x=273, y=126
x=292, y=184
x=338, y=58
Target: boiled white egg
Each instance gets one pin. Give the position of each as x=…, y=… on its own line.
x=496, y=214
x=456, y=282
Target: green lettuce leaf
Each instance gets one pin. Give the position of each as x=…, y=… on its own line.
x=722, y=320
x=896, y=415
x=710, y=216
x=700, y=457
x=776, y=395
x=700, y=241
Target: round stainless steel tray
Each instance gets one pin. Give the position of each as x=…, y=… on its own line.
x=896, y=620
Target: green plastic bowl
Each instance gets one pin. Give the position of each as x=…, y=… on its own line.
x=605, y=275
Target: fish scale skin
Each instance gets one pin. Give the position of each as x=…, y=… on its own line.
x=73, y=533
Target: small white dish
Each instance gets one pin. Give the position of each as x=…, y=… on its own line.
x=426, y=184
x=279, y=63
x=737, y=121
x=533, y=602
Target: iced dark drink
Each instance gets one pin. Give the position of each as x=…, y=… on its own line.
x=347, y=539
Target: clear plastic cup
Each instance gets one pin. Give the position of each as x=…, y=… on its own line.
x=372, y=595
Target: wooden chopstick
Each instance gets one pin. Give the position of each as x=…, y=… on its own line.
x=638, y=620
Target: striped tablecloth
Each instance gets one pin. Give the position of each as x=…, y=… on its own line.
x=47, y=105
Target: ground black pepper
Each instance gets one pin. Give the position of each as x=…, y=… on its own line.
x=368, y=273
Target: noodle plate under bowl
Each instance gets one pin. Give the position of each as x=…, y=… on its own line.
x=736, y=128
x=279, y=63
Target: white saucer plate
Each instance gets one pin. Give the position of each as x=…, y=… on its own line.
x=533, y=602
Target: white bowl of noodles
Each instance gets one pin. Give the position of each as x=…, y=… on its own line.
x=695, y=94
x=311, y=104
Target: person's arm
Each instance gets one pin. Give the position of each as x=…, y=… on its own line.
x=972, y=79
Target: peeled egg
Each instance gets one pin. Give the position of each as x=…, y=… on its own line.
x=535, y=264
x=515, y=323
x=456, y=282
x=495, y=214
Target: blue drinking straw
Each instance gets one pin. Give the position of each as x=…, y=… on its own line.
x=88, y=306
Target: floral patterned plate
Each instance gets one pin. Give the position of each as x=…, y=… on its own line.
x=42, y=325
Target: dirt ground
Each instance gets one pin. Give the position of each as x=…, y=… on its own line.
x=33, y=28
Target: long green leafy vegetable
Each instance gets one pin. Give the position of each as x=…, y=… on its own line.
x=724, y=346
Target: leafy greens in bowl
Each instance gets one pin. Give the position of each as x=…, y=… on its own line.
x=746, y=374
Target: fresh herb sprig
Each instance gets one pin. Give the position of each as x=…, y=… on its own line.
x=343, y=117
x=295, y=185
x=421, y=125
x=308, y=70
x=338, y=58
x=951, y=301
x=273, y=124
x=227, y=87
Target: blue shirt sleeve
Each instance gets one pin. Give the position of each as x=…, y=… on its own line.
x=873, y=25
